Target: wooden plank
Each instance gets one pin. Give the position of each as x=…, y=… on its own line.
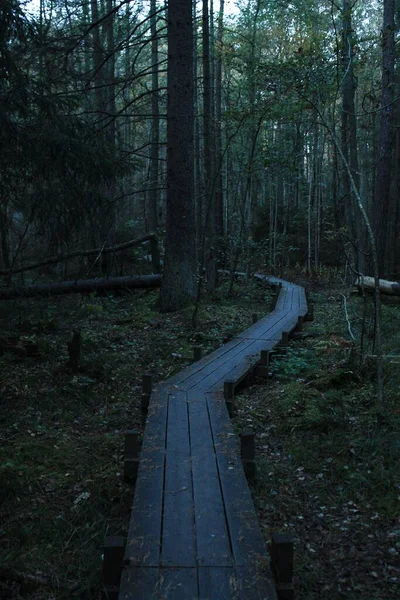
x=144, y=536
x=213, y=546
x=246, y=539
x=287, y=295
x=255, y=582
x=237, y=369
x=240, y=583
x=211, y=370
x=139, y=582
x=241, y=363
x=177, y=584
x=179, y=379
x=218, y=583
x=303, y=301
x=178, y=536
x=271, y=326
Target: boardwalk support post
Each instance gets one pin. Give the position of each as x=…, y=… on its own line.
x=131, y=456
x=310, y=314
x=146, y=392
x=284, y=339
x=299, y=326
x=113, y=558
x=247, y=453
x=229, y=395
x=262, y=369
x=254, y=317
x=282, y=565
x=197, y=353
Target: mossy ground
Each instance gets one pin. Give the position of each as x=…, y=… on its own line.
x=327, y=473
x=61, y=433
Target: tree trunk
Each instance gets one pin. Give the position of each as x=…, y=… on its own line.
x=391, y=288
x=97, y=58
x=210, y=258
x=151, y=237
x=198, y=175
x=80, y=286
x=178, y=286
x=4, y=227
x=155, y=123
x=386, y=136
x=349, y=130
x=219, y=196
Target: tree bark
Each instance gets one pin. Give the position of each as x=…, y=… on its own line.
x=349, y=131
x=152, y=238
x=219, y=194
x=386, y=136
x=391, y=288
x=210, y=259
x=179, y=284
x=80, y=286
x=155, y=124
x=4, y=233
x=97, y=57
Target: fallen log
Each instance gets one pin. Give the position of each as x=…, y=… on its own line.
x=150, y=237
x=385, y=287
x=80, y=286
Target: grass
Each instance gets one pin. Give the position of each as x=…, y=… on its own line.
x=61, y=433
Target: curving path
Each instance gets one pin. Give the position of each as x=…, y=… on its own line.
x=194, y=533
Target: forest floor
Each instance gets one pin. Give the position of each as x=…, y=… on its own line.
x=326, y=472
x=61, y=433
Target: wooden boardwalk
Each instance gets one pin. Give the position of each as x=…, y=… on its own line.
x=194, y=532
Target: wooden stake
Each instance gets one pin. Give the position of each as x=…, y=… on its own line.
x=197, y=353
x=247, y=453
x=75, y=351
x=229, y=395
x=282, y=547
x=284, y=339
x=262, y=369
x=147, y=384
x=114, y=551
x=131, y=456
x=299, y=326
x=310, y=314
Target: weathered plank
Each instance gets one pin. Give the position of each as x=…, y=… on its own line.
x=178, y=535
x=139, y=582
x=217, y=583
x=239, y=365
x=246, y=539
x=178, y=584
x=179, y=379
x=213, y=546
x=255, y=582
x=212, y=369
x=271, y=327
x=144, y=536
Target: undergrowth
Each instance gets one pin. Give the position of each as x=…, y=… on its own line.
x=61, y=433
x=327, y=471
